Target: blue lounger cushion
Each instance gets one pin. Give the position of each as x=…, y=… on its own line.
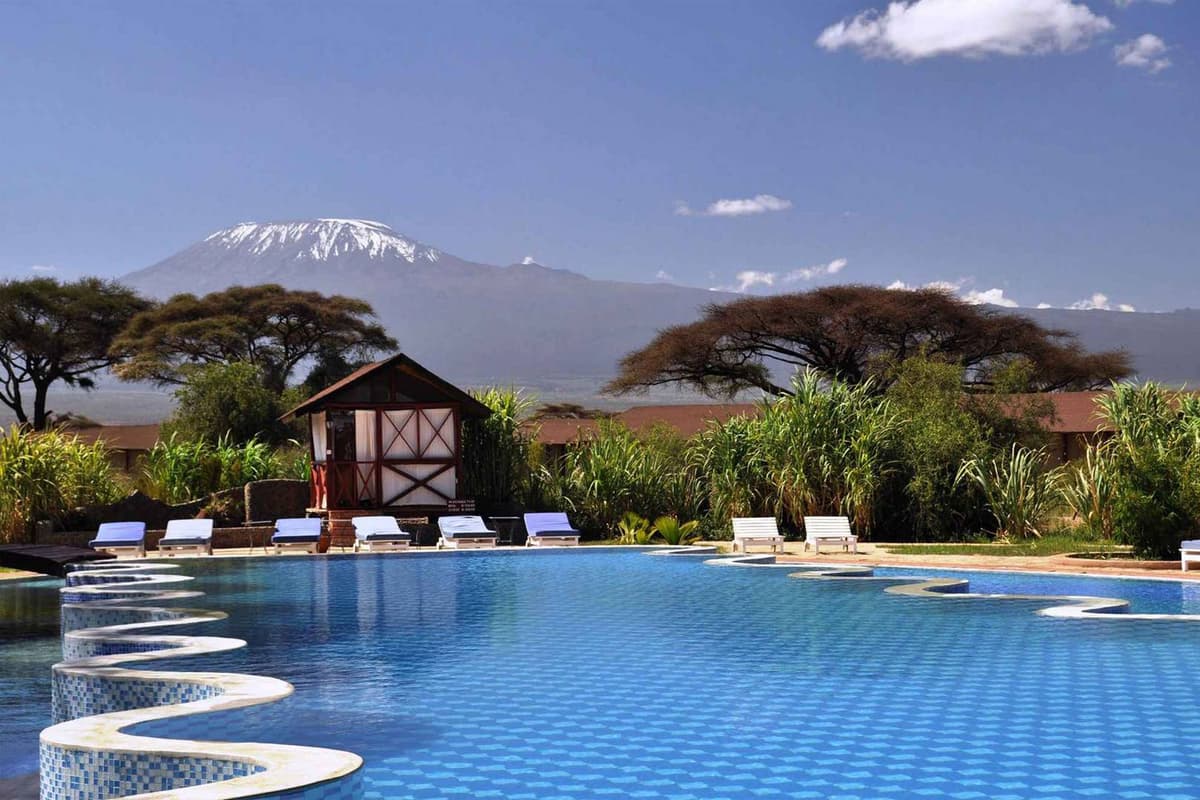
x=465, y=527
x=297, y=529
x=549, y=523
x=188, y=531
x=120, y=534
x=378, y=529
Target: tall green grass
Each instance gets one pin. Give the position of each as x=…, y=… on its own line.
x=45, y=475
x=177, y=470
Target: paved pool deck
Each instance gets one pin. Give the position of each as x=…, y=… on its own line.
x=869, y=554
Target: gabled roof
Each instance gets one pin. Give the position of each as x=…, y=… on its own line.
x=439, y=388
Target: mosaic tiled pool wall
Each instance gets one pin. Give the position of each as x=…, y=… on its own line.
x=107, y=622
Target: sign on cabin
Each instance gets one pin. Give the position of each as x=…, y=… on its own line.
x=460, y=506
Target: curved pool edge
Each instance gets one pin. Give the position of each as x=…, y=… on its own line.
x=87, y=754
x=1061, y=606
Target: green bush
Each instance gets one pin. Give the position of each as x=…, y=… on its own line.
x=45, y=475
x=938, y=432
x=226, y=402
x=1019, y=489
x=673, y=531
x=1153, y=462
x=614, y=471
x=497, y=450
x=826, y=449
x=177, y=470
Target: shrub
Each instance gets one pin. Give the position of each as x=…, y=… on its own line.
x=826, y=449
x=1153, y=461
x=634, y=528
x=497, y=450
x=45, y=475
x=226, y=402
x=612, y=472
x=176, y=471
x=1018, y=488
x=937, y=434
x=673, y=531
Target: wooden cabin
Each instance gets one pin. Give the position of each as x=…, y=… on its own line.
x=387, y=439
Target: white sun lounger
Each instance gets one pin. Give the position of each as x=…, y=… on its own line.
x=461, y=533
x=762, y=531
x=829, y=530
x=120, y=537
x=297, y=533
x=550, y=528
x=379, y=533
x=187, y=535
x=1189, y=552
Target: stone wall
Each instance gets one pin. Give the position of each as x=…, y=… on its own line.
x=275, y=499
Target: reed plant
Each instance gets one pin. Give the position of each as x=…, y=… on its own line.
x=178, y=470
x=44, y=475
x=614, y=471
x=1019, y=488
x=827, y=449
x=1152, y=459
x=497, y=450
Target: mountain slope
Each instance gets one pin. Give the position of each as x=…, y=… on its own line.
x=524, y=323
x=528, y=324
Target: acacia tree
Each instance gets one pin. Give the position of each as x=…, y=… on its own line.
x=271, y=327
x=856, y=333
x=58, y=332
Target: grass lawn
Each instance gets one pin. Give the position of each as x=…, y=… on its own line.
x=1048, y=545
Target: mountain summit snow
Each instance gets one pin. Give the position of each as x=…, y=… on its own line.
x=322, y=239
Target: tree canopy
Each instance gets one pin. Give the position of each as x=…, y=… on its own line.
x=58, y=332
x=857, y=333
x=268, y=326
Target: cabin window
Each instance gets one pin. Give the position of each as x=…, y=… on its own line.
x=341, y=434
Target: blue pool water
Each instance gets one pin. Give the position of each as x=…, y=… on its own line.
x=594, y=674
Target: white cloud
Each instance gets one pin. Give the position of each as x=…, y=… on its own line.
x=43, y=269
x=808, y=273
x=1099, y=302
x=1128, y=3
x=1146, y=52
x=992, y=297
x=910, y=30
x=663, y=275
x=747, y=279
x=527, y=260
x=737, y=207
x=975, y=297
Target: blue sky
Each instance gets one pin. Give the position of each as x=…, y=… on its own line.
x=1037, y=151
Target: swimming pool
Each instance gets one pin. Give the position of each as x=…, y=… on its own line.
x=593, y=674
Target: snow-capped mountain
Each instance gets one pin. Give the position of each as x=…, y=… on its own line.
x=472, y=322
x=322, y=239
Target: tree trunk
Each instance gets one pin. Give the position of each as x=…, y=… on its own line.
x=40, y=417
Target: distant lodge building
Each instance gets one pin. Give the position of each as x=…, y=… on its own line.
x=1074, y=425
